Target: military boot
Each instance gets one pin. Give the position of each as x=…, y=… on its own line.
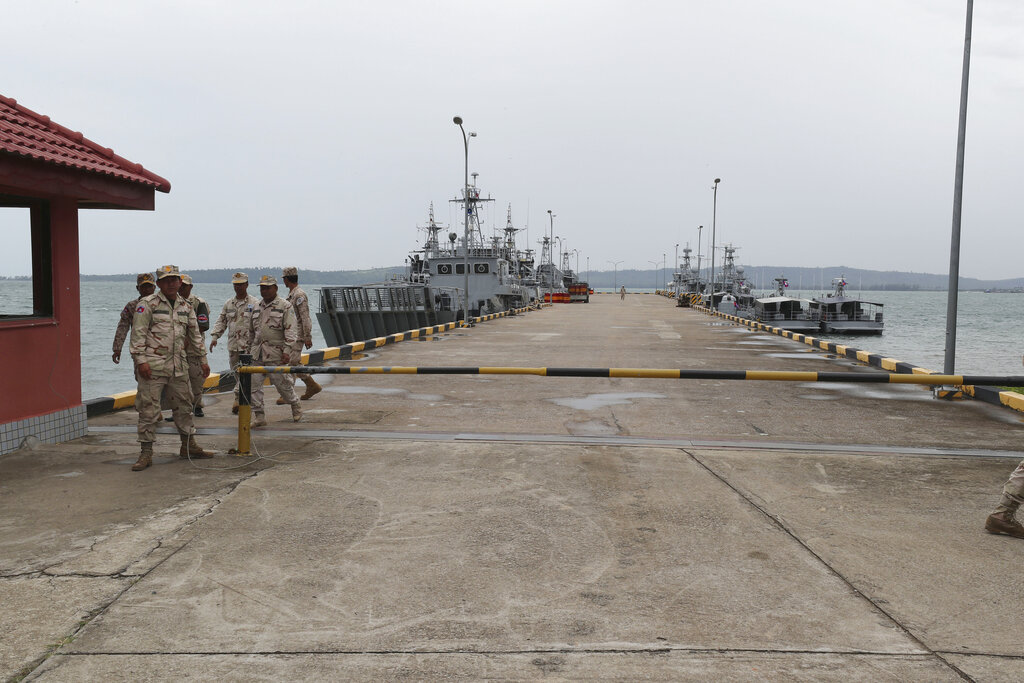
x=234, y=407
x=296, y=412
x=190, y=449
x=1004, y=523
x=312, y=389
x=1001, y=521
x=259, y=420
x=145, y=457
x=281, y=401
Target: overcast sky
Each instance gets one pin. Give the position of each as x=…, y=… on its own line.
x=318, y=133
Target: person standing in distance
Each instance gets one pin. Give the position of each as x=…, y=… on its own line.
x=146, y=284
x=274, y=335
x=236, y=318
x=164, y=331
x=300, y=302
x=195, y=372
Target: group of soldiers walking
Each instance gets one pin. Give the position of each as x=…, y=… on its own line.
x=168, y=348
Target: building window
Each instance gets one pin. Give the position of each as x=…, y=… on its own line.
x=26, y=260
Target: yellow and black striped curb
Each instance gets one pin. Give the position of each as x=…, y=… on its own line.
x=225, y=381
x=644, y=373
x=979, y=390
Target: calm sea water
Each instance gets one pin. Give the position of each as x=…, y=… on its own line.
x=101, y=309
x=989, y=337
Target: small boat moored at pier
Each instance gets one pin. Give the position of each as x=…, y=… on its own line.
x=838, y=313
x=786, y=312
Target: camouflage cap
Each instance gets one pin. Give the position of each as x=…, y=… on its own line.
x=290, y=271
x=167, y=271
x=268, y=281
x=144, y=277
x=239, y=279
x=185, y=279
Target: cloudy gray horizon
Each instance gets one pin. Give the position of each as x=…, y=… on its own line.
x=319, y=134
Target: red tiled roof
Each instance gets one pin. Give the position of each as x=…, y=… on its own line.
x=28, y=134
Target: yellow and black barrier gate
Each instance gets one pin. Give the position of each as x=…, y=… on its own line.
x=245, y=373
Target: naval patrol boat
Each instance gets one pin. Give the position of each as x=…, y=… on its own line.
x=500, y=277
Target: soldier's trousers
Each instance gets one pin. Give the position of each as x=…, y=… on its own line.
x=147, y=403
x=196, y=380
x=1013, y=491
x=285, y=386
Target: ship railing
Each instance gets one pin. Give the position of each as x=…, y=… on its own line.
x=352, y=313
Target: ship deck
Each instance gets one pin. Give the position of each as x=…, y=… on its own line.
x=433, y=526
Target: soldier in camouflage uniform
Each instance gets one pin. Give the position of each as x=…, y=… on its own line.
x=195, y=370
x=146, y=284
x=275, y=333
x=236, y=318
x=164, y=330
x=300, y=302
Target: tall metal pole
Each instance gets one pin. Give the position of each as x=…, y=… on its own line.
x=616, y=264
x=655, y=264
x=675, y=265
x=551, y=246
x=714, y=217
x=958, y=191
x=700, y=228
x=469, y=210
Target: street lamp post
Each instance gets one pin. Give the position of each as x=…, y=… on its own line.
x=953, y=288
x=468, y=213
x=656, y=263
x=714, y=217
x=675, y=267
x=551, y=246
x=616, y=264
x=700, y=228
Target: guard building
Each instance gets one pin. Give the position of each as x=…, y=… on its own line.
x=47, y=174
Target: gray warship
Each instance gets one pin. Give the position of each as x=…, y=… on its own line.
x=432, y=291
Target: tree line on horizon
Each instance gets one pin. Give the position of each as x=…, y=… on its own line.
x=759, y=277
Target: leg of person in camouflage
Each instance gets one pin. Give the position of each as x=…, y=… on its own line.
x=1002, y=521
x=232, y=362
x=259, y=416
x=147, y=405
x=196, y=380
x=180, y=394
x=285, y=386
x=312, y=388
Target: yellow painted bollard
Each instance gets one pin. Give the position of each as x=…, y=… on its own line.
x=245, y=408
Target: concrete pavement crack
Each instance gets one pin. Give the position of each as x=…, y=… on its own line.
x=221, y=496
x=778, y=521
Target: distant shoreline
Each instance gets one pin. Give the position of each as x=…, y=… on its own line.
x=760, y=278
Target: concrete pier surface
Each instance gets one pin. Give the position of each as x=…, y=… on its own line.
x=429, y=527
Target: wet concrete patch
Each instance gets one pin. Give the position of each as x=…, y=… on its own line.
x=595, y=401
x=380, y=391
x=891, y=392
x=344, y=416
x=592, y=428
